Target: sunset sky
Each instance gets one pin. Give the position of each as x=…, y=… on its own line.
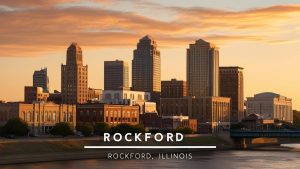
x=261, y=36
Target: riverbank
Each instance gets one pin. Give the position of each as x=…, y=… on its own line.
x=57, y=149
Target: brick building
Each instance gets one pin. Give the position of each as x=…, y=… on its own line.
x=110, y=114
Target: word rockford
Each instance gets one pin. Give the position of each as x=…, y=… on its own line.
x=139, y=137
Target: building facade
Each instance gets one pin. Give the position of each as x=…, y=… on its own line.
x=40, y=116
x=55, y=97
x=202, y=69
x=128, y=97
x=32, y=94
x=146, y=66
x=41, y=79
x=232, y=86
x=270, y=106
x=151, y=121
x=212, y=113
x=74, y=77
x=173, y=89
x=111, y=114
x=116, y=75
x=95, y=95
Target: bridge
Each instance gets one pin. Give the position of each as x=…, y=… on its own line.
x=265, y=134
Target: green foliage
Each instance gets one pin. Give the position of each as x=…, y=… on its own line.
x=101, y=128
x=62, y=129
x=138, y=128
x=184, y=130
x=127, y=128
x=16, y=127
x=87, y=130
x=237, y=126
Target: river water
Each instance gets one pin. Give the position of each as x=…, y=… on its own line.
x=206, y=160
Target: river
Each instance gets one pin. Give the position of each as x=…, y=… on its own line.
x=206, y=159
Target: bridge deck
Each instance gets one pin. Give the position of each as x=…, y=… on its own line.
x=264, y=133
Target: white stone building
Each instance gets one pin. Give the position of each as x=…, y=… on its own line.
x=270, y=106
x=129, y=97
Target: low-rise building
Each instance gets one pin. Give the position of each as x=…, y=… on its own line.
x=55, y=97
x=108, y=113
x=128, y=97
x=151, y=121
x=256, y=122
x=94, y=95
x=270, y=106
x=32, y=94
x=40, y=116
x=212, y=113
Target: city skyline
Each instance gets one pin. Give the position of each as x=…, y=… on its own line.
x=241, y=43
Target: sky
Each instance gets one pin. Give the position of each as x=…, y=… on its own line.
x=263, y=37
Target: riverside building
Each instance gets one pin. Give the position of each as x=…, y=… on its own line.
x=270, y=106
x=40, y=116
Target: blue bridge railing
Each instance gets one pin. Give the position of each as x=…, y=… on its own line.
x=264, y=133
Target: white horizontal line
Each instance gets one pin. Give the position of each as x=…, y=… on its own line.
x=149, y=147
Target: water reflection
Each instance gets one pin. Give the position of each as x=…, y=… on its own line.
x=206, y=159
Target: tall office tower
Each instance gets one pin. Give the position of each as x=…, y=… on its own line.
x=116, y=75
x=232, y=85
x=202, y=69
x=173, y=89
x=146, y=66
x=41, y=79
x=74, y=77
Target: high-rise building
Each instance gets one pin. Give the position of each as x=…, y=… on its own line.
x=74, y=77
x=116, y=75
x=173, y=89
x=232, y=85
x=270, y=106
x=41, y=79
x=203, y=69
x=146, y=66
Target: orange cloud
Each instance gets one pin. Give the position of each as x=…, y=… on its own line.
x=47, y=27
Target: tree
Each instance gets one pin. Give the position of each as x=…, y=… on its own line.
x=296, y=118
x=237, y=126
x=138, y=128
x=87, y=130
x=62, y=129
x=16, y=127
x=101, y=128
x=184, y=130
x=127, y=128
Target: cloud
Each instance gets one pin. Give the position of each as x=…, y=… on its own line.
x=44, y=27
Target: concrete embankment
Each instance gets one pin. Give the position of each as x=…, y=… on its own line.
x=54, y=149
